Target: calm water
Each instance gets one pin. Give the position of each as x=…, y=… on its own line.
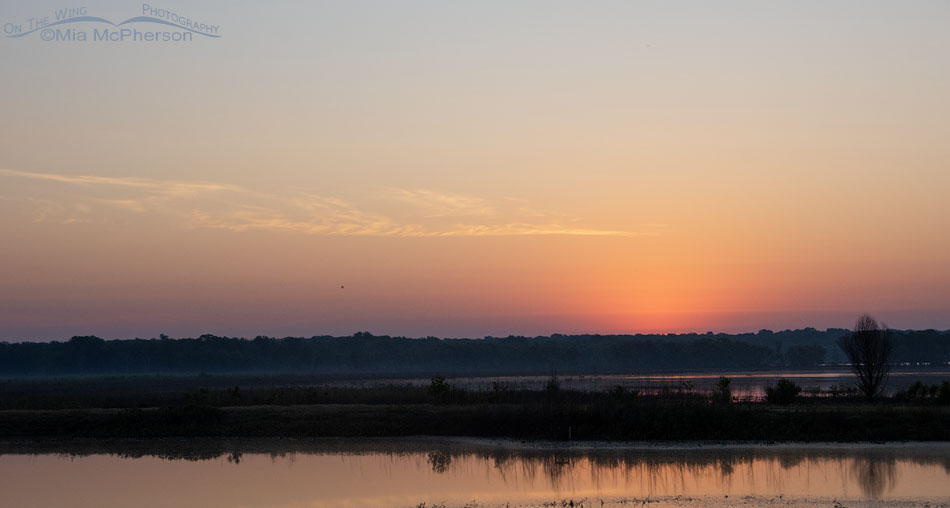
x=750, y=385
x=406, y=473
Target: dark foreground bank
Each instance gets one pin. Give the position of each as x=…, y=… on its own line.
x=643, y=420
x=204, y=406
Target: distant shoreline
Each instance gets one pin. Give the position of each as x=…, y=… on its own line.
x=365, y=354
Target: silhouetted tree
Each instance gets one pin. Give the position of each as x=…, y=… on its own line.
x=723, y=392
x=784, y=392
x=869, y=348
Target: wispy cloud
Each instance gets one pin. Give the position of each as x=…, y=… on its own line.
x=165, y=187
x=443, y=204
x=391, y=212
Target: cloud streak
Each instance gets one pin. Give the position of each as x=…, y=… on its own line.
x=164, y=187
x=441, y=204
x=201, y=204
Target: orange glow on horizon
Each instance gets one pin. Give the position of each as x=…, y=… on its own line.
x=467, y=170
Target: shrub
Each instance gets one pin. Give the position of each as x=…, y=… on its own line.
x=784, y=392
x=943, y=395
x=621, y=394
x=919, y=392
x=553, y=384
x=438, y=387
x=499, y=392
x=915, y=392
x=723, y=393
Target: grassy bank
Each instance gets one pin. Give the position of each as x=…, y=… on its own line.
x=147, y=407
x=642, y=420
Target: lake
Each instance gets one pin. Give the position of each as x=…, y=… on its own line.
x=407, y=473
x=745, y=385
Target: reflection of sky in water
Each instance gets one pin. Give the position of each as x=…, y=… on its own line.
x=744, y=384
x=406, y=473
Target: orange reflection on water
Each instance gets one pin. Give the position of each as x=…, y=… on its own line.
x=408, y=473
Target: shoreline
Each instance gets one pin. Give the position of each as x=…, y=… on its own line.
x=599, y=445
x=468, y=444
x=646, y=422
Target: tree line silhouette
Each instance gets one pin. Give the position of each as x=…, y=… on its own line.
x=364, y=353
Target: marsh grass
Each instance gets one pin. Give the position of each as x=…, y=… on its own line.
x=206, y=406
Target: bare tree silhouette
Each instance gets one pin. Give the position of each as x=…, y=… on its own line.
x=868, y=347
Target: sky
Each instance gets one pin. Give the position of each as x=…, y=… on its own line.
x=465, y=169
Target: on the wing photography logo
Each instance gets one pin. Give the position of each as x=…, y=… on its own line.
x=78, y=24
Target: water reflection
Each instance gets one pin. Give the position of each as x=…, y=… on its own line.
x=404, y=472
x=440, y=461
x=875, y=476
